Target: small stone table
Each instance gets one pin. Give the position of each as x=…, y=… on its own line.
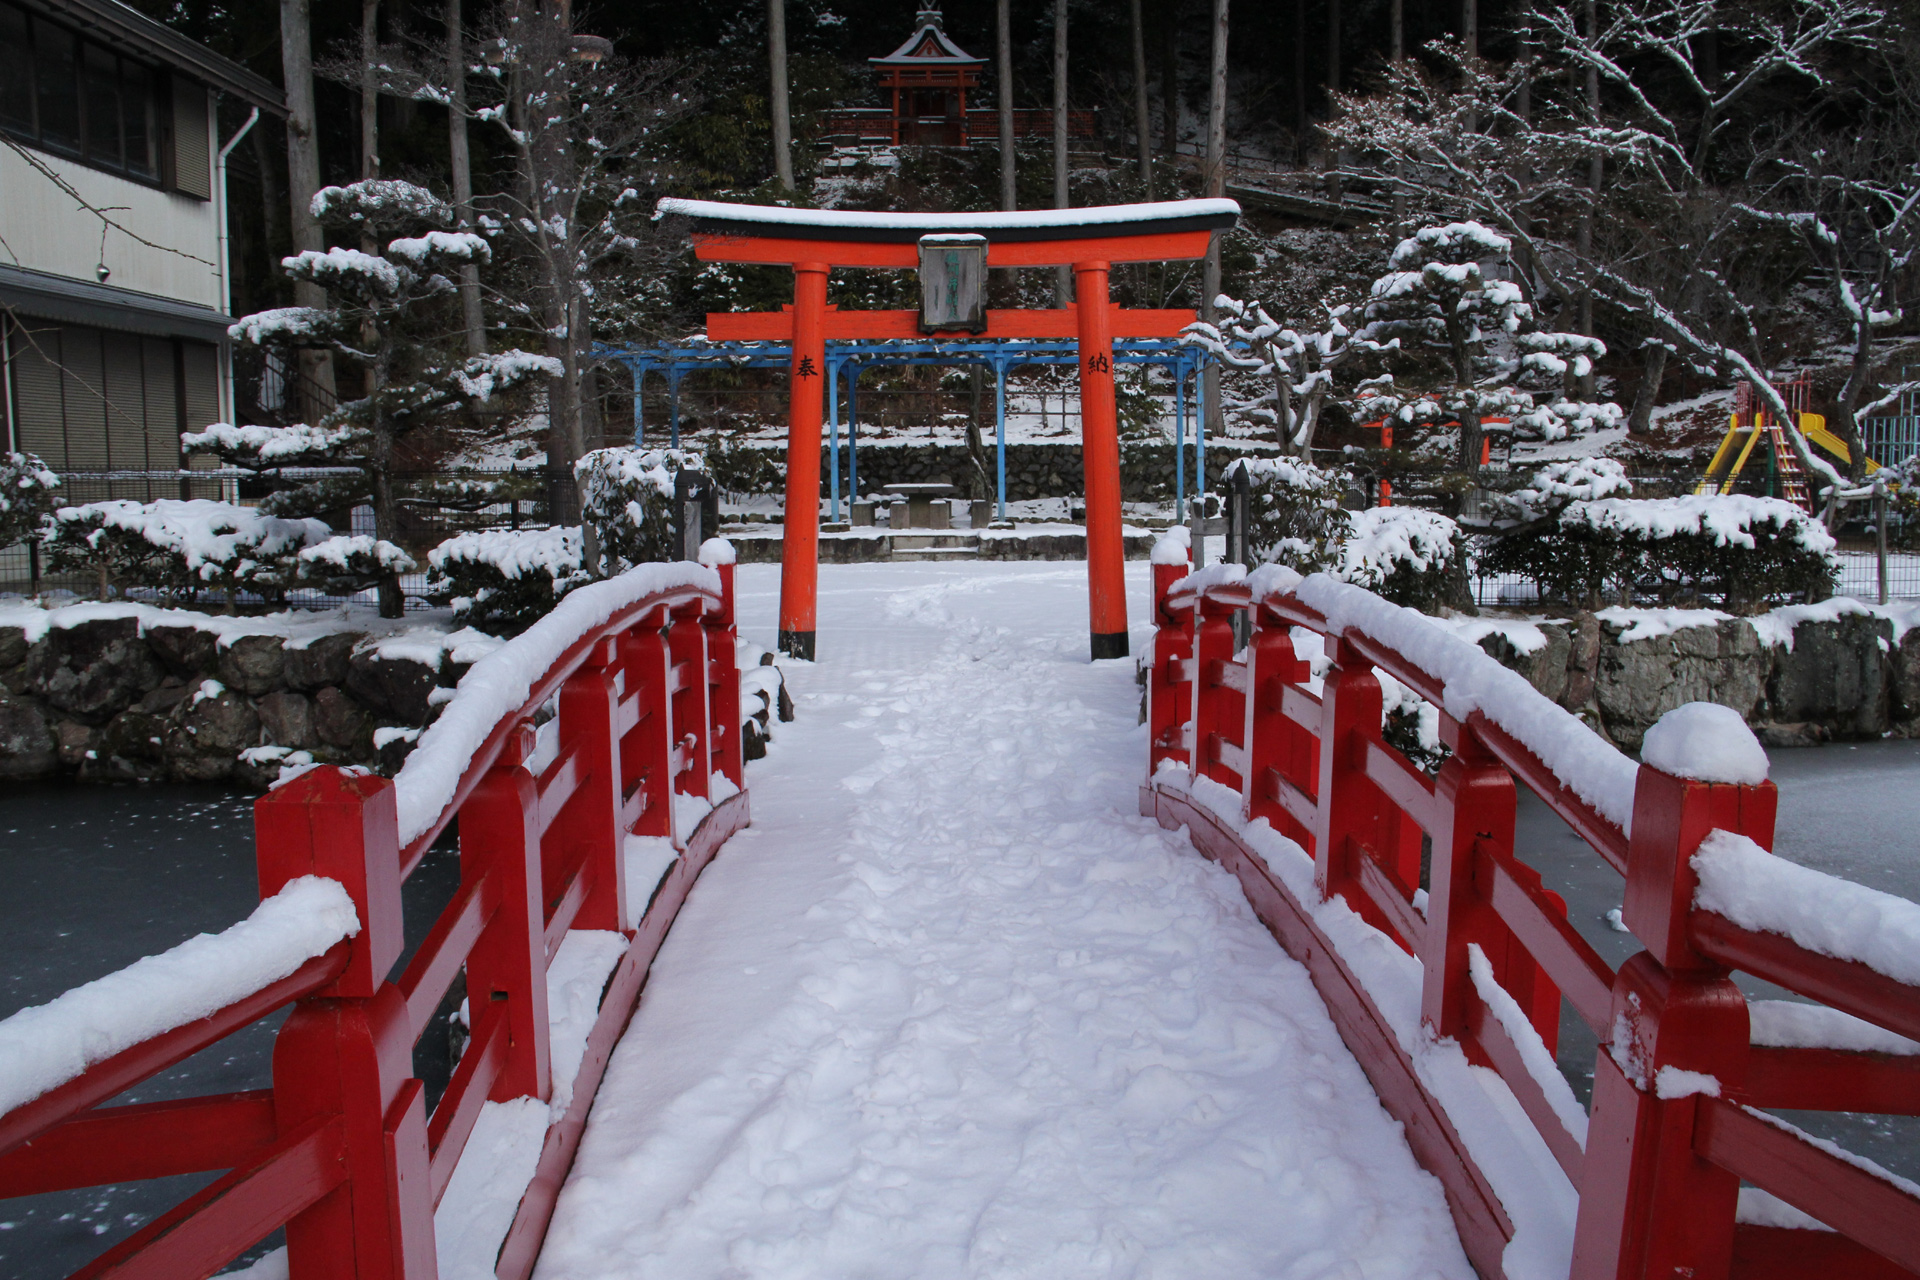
x=920, y=507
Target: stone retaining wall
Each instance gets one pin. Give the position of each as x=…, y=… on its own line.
x=100, y=700
x=1838, y=677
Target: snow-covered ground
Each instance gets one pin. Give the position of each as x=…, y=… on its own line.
x=950, y=1008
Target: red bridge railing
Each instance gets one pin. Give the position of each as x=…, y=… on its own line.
x=342, y=1150
x=1297, y=792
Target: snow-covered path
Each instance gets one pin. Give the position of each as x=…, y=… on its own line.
x=951, y=1008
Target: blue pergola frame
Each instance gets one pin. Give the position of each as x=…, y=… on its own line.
x=675, y=360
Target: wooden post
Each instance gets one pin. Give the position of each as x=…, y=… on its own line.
x=687, y=648
x=348, y=1051
x=1169, y=700
x=1649, y=1204
x=500, y=836
x=589, y=710
x=1217, y=708
x=646, y=753
x=1476, y=803
x=1349, y=804
x=1273, y=741
x=1100, y=460
x=723, y=683
x=800, y=540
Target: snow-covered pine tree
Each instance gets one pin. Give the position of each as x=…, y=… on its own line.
x=385, y=316
x=1301, y=362
x=1468, y=342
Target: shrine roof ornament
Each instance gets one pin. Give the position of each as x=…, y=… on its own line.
x=713, y=217
x=929, y=44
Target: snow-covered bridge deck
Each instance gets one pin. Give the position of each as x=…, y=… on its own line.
x=950, y=1008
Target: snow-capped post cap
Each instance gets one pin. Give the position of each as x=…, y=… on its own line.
x=1174, y=546
x=1706, y=742
x=718, y=551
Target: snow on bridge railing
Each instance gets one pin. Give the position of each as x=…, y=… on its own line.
x=1429, y=973
x=579, y=838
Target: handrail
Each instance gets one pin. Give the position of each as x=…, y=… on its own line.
x=1238, y=743
x=342, y=1150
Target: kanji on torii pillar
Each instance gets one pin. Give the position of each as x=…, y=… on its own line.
x=813, y=242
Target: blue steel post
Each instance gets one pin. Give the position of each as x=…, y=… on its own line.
x=1199, y=445
x=673, y=401
x=1000, y=432
x=853, y=433
x=833, y=438
x=639, y=370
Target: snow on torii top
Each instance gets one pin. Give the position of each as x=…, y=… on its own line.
x=1161, y=218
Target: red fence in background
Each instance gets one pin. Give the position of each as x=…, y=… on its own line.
x=1657, y=1176
x=341, y=1150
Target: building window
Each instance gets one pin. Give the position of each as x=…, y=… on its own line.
x=77, y=98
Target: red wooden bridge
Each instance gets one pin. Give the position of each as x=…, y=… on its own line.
x=1296, y=793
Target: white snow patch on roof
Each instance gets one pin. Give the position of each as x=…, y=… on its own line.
x=989, y=222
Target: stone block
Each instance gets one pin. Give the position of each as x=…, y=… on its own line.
x=397, y=688
x=13, y=647
x=287, y=719
x=136, y=735
x=1836, y=674
x=340, y=722
x=254, y=665
x=93, y=670
x=322, y=662
x=223, y=725
x=27, y=746
x=73, y=741
x=186, y=651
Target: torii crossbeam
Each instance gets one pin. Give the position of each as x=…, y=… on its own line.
x=813, y=242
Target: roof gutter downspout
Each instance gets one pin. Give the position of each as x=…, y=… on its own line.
x=229, y=407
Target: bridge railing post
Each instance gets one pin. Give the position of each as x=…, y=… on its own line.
x=347, y=1052
x=723, y=683
x=692, y=722
x=1349, y=803
x=589, y=709
x=1650, y=1205
x=500, y=836
x=1169, y=700
x=1475, y=804
x=646, y=753
x=1218, y=709
x=1274, y=742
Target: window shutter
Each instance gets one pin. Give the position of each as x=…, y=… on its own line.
x=39, y=421
x=192, y=154
x=83, y=379
x=126, y=409
x=163, y=406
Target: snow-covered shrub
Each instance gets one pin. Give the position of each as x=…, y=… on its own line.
x=743, y=470
x=348, y=563
x=503, y=581
x=181, y=547
x=1412, y=557
x=1743, y=551
x=626, y=495
x=26, y=496
x=1295, y=517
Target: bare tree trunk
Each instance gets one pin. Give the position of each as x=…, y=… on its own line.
x=1170, y=87
x=1142, y=123
x=1062, y=276
x=1647, y=397
x=303, y=179
x=1397, y=30
x=369, y=90
x=461, y=164
x=1333, y=50
x=1003, y=67
x=1299, y=80
x=273, y=191
x=782, y=116
x=1470, y=27
x=1596, y=174
x=1216, y=185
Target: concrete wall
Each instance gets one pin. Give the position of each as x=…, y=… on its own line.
x=46, y=232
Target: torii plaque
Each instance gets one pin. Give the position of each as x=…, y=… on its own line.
x=814, y=242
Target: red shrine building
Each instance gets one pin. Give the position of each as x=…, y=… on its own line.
x=926, y=83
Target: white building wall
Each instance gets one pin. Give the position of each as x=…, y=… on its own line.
x=47, y=232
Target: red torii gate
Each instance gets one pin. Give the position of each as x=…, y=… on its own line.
x=814, y=242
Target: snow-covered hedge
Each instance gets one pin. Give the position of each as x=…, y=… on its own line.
x=503, y=581
x=26, y=496
x=1412, y=557
x=627, y=497
x=348, y=563
x=181, y=547
x=1743, y=551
